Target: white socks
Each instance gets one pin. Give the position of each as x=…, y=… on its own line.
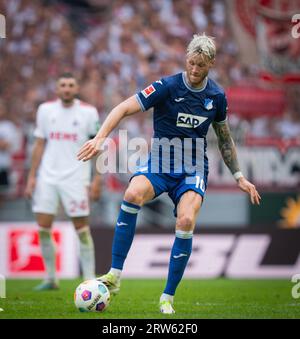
x=86, y=253
x=166, y=297
x=48, y=252
x=117, y=273
x=86, y=248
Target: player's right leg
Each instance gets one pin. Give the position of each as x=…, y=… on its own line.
x=139, y=191
x=45, y=204
x=48, y=251
x=187, y=211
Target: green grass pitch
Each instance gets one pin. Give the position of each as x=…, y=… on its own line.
x=195, y=299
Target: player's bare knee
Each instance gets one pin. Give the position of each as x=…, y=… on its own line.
x=80, y=222
x=184, y=223
x=134, y=196
x=44, y=220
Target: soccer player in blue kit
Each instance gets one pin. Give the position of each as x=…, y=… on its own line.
x=185, y=105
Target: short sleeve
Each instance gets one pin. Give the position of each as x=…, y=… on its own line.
x=152, y=95
x=94, y=123
x=222, y=108
x=40, y=129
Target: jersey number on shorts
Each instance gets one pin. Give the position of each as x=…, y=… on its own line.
x=200, y=183
x=75, y=206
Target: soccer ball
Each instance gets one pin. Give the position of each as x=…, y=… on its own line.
x=91, y=296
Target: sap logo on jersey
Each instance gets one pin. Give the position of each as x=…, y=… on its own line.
x=189, y=120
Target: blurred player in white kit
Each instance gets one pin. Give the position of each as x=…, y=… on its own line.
x=63, y=126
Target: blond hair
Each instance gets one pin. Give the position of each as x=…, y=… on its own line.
x=201, y=43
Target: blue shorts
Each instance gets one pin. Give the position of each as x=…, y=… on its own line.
x=175, y=184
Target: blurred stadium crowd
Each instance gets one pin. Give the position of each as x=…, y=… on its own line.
x=115, y=48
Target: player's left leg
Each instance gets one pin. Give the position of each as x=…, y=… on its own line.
x=75, y=199
x=187, y=211
x=86, y=247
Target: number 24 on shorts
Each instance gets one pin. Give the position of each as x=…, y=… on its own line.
x=75, y=206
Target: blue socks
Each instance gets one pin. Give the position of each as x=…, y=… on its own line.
x=123, y=237
x=124, y=233
x=180, y=254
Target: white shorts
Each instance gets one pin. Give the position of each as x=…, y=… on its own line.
x=74, y=197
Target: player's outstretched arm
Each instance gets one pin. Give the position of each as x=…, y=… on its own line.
x=229, y=155
x=92, y=147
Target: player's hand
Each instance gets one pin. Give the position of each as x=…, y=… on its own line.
x=95, y=188
x=30, y=186
x=249, y=188
x=90, y=149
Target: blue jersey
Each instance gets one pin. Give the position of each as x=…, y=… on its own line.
x=183, y=112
